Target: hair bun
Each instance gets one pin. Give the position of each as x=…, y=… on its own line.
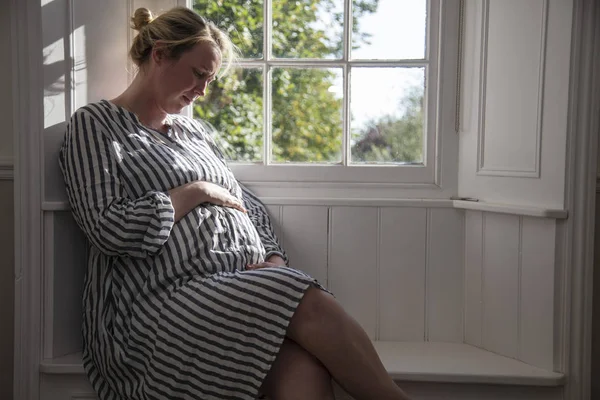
x=141, y=17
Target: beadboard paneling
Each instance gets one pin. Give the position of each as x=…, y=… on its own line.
x=501, y=283
x=275, y=214
x=305, y=239
x=510, y=285
x=353, y=235
x=402, y=253
x=65, y=263
x=444, y=274
x=473, y=277
x=536, y=320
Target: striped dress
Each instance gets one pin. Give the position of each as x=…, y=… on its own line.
x=169, y=311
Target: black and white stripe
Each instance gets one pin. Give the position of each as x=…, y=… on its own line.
x=169, y=309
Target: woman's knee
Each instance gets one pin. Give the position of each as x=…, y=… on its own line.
x=296, y=374
x=316, y=310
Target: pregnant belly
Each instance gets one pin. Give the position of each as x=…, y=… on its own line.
x=219, y=235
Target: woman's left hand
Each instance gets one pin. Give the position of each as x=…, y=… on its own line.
x=272, y=262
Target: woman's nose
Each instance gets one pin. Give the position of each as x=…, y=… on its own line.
x=201, y=88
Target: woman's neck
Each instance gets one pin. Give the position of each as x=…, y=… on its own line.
x=140, y=100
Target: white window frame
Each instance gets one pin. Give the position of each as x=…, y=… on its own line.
x=356, y=180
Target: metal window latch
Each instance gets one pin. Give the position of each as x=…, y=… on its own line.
x=464, y=198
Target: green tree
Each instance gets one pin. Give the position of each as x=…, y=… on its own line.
x=393, y=139
x=306, y=117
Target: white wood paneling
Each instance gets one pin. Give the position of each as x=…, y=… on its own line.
x=56, y=23
x=6, y=88
x=473, y=277
x=501, y=283
x=99, y=74
x=276, y=216
x=510, y=118
x=69, y=265
x=444, y=276
x=53, y=183
x=306, y=239
x=510, y=269
x=511, y=136
x=401, y=303
x=353, y=235
x=536, y=319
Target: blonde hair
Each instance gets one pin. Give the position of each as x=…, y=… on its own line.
x=178, y=29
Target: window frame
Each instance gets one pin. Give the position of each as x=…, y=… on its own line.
x=441, y=143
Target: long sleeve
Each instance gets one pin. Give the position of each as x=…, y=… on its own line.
x=260, y=218
x=113, y=222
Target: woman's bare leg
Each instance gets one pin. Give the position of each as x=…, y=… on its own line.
x=297, y=375
x=322, y=327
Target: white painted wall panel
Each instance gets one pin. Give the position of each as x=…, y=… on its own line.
x=501, y=283
x=305, y=239
x=353, y=262
x=536, y=317
x=100, y=43
x=509, y=134
x=473, y=277
x=403, y=235
x=69, y=264
x=156, y=6
x=57, y=63
x=6, y=91
x=512, y=136
x=276, y=216
x=444, y=274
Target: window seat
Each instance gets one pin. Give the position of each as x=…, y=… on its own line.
x=415, y=362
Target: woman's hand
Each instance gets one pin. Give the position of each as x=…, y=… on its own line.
x=187, y=197
x=215, y=194
x=272, y=262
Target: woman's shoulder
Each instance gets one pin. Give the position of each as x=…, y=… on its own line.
x=194, y=125
x=97, y=112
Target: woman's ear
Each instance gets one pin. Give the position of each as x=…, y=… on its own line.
x=159, y=52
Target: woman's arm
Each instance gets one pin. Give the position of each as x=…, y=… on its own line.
x=260, y=218
x=114, y=223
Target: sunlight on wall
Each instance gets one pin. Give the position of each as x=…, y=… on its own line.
x=80, y=94
x=55, y=83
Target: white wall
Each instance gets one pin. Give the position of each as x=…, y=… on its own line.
x=510, y=285
x=515, y=96
x=512, y=151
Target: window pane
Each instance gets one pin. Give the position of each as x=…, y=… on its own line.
x=308, y=28
x=234, y=105
x=396, y=30
x=307, y=115
x=387, y=115
x=241, y=19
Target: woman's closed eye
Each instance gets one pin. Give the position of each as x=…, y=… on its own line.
x=203, y=75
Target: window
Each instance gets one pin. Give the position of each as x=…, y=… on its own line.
x=333, y=91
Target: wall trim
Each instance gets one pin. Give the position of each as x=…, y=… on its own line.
x=580, y=196
x=6, y=168
x=514, y=209
x=510, y=172
x=28, y=94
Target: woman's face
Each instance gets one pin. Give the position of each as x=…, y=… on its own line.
x=179, y=82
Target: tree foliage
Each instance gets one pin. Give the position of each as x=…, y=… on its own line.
x=394, y=139
x=306, y=114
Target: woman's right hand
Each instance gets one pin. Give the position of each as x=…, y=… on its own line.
x=218, y=195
